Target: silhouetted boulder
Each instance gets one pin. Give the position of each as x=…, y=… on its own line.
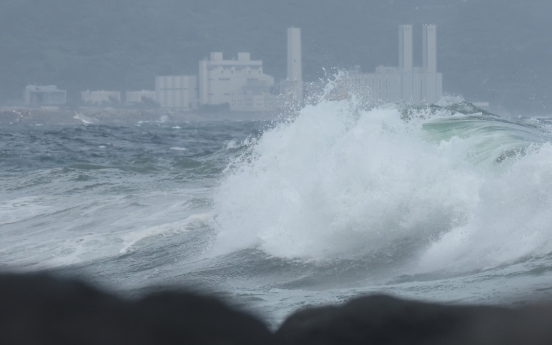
x=39, y=309
x=390, y=321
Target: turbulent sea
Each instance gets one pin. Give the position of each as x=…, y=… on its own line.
x=335, y=202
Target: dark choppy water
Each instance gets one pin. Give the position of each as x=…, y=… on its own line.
x=277, y=216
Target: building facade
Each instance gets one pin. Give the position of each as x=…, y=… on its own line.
x=134, y=97
x=239, y=83
x=406, y=83
x=177, y=92
x=35, y=95
x=101, y=98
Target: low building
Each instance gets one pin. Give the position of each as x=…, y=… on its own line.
x=44, y=95
x=253, y=97
x=239, y=83
x=134, y=97
x=101, y=98
x=177, y=92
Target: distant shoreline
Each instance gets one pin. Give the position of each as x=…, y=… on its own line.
x=119, y=116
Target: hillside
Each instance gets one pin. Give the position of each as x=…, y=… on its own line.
x=492, y=50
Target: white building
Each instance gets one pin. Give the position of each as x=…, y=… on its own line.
x=406, y=82
x=292, y=88
x=44, y=95
x=139, y=96
x=239, y=83
x=177, y=92
x=101, y=97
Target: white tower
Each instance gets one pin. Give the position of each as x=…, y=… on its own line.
x=406, y=61
x=430, y=48
x=294, y=64
x=433, y=85
x=405, y=48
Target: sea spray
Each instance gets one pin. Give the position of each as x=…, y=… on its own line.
x=339, y=182
x=336, y=184
x=512, y=220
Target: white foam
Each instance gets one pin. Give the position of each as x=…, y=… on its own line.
x=335, y=183
x=23, y=208
x=87, y=120
x=132, y=238
x=232, y=144
x=512, y=220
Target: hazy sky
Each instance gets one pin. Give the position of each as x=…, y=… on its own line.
x=488, y=50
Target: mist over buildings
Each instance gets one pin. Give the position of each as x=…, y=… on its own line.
x=488, y=50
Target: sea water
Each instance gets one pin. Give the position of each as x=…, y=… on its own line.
x=334, y=202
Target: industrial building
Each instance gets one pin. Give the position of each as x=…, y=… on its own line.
x=406, y=83
x=242, y=86
x=239, y=83
x=44, y=95
x=177, y=92
x=100, y=98
x=134, y=97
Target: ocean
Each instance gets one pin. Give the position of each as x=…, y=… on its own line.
x=444, y=204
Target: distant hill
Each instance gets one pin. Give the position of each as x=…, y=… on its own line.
x=489, y=50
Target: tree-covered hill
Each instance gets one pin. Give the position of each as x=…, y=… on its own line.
x=493, y=50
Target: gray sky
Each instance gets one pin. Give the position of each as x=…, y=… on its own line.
x=488, y=50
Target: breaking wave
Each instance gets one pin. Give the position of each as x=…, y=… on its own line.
x=446, y=187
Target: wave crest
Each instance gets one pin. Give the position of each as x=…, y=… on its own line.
x=334, y=183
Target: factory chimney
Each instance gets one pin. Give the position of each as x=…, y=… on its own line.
x=294, y=65
x=405, y=48
x=430, y=48
x=406, y=61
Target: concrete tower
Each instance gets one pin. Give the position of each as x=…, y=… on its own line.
x=294, y=65
x=405, y=48
x=406, y=61
x=433, y=83
x=430, y=48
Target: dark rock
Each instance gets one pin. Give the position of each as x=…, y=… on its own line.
x=390, y=321
x=39, y=309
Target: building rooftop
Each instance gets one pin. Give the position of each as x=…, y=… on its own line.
x=45, y=88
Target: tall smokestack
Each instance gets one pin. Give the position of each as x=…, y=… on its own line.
x=405, y=48
x=430, y=47
x=294, y=64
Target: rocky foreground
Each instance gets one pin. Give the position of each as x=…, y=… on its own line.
x=40, y=309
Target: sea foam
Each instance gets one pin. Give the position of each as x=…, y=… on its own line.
x=446, y=190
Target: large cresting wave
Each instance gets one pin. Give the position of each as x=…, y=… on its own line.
x=440, y=188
